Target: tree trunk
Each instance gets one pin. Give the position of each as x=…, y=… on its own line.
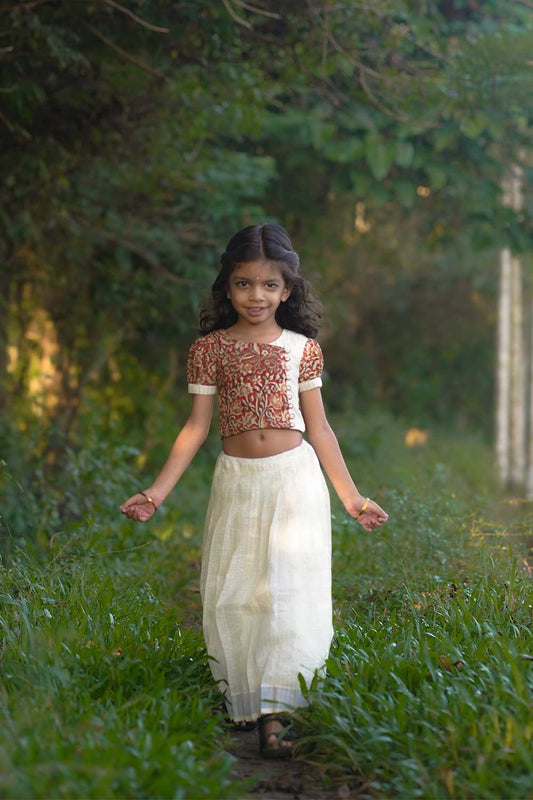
x=503, y=373
x=529, y=476
x=518, y=379
x=4, y=315
x=511, y=408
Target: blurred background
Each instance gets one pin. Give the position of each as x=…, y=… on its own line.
x=392, y=139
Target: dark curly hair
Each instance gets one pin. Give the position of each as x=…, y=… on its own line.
x=301, y=312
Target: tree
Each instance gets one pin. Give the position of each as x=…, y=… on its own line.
x=139, y=134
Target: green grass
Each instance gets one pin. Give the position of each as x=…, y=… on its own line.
x=105, y=689
x=429, y=694
x=430, y=677
x=104, y=692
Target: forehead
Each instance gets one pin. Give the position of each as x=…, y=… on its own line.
x=258, y=271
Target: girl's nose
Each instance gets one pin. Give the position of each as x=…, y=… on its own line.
x=255, y=291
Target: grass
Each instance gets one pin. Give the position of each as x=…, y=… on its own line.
x=105, y=689
x=430, y=676
x=104, y=692
x=429, y=694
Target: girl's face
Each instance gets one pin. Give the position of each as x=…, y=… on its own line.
x=256, y=289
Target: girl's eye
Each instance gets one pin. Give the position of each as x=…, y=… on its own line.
x=272, y=285
x=240, y=284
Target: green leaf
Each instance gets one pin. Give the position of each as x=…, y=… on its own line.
x=404, y=154
x=361, y=182
x=444, y=137
x=474, y=125
x=346, y=151
x=405, y=192
x=437, y=176
x=496, y=128
x=378, y=195
x=379, y=155
x=321, y=132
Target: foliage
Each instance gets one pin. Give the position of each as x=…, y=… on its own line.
x=140, y=135
x=419, y=336
x=429, y=694
x=44, y=499
x=105, y=686
x=121, y=700
x=429, y=679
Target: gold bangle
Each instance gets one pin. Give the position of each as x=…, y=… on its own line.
x=149, y=499
x=363, y=507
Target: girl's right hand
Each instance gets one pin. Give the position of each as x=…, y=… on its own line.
x=372, y=517
x=138, y=507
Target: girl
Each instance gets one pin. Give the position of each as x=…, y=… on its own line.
x=266, y=560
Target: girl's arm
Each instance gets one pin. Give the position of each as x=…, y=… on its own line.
x=189, y=440
x=324, y=442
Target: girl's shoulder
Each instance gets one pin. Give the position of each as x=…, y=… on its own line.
x=300, y=340
x=294, y=336
x=206, y=340
x=205, y=346
x=304, y=349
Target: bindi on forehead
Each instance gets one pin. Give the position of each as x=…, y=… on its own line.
x=258, y=271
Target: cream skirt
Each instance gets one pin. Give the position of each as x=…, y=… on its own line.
x=266, y=579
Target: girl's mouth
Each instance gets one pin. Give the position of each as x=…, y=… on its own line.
x=255, y=311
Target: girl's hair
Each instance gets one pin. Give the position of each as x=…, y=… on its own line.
x=301, y=312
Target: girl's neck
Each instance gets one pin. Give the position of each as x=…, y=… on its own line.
x=254, y=333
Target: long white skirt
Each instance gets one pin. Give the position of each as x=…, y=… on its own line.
x=266, y=579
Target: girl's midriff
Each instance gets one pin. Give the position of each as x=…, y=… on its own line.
x=261, y=443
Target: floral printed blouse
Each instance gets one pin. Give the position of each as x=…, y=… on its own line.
x=258, y=384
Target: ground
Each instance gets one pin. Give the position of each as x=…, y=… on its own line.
x=280, y=779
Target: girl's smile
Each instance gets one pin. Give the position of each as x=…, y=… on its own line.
x=256, y=289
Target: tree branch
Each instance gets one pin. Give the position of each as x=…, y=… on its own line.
x=112, y=237
x=137, y=19
x=137, y=250
x=234, y=16
x=325, y=42
x=14, y=128
x=408, y=35
x=24, y=6
x=262, y=11
x=373, y=99
x=354, y=61
x=142, y=64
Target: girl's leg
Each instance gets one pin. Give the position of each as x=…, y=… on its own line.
x=242, y=726
x=275, y=736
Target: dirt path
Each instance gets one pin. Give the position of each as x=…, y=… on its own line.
x=279, y=780
x=276, y=780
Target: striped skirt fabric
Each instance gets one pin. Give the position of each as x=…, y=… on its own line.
x=266, y=579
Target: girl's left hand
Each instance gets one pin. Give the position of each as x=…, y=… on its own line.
x=372, y=517
x=138, y=507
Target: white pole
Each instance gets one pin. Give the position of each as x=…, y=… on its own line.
x=503, y=369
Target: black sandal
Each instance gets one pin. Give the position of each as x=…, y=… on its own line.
x=275, y=749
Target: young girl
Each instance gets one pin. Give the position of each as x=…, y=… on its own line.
x=266, y=561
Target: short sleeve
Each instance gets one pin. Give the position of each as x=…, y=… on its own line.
x=311, y=366
x=201, y=367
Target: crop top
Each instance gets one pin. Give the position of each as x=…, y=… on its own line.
x=258, y=384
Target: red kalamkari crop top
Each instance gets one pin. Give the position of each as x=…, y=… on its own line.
x=258, y=384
